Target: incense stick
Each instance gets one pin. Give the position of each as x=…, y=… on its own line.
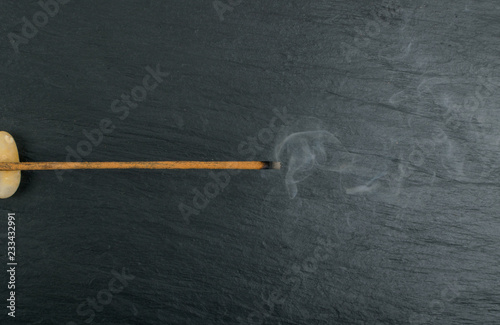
x=248, y=165
x=11, y=167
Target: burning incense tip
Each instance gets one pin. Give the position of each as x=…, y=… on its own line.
x=272, y=165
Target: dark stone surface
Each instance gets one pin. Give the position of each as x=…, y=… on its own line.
x=384, y=113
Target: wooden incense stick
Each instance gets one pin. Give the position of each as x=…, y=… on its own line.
x=12, y=166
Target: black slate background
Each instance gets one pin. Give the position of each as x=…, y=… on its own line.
x=386, y=211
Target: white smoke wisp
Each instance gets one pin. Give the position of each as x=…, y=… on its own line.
x=368, y=187
x=304, y=152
